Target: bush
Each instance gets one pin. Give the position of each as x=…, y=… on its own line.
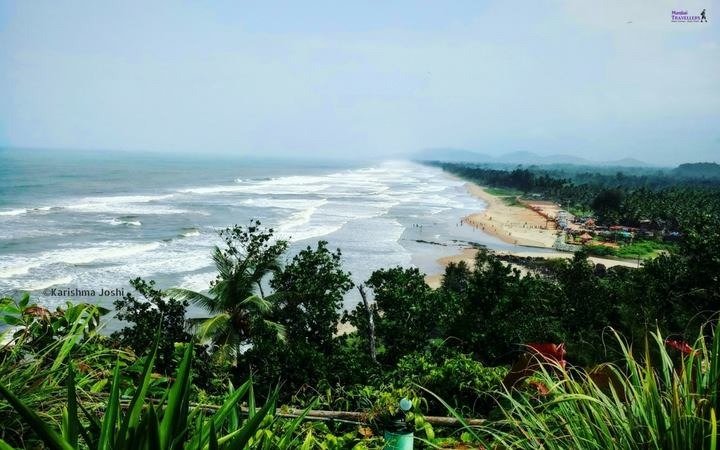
x=600, y=250
x=457, y=378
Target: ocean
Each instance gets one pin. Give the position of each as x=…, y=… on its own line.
x=79, y=222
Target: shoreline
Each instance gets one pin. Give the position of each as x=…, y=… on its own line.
x=518, y=225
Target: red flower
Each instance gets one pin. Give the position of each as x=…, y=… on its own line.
x=554, y=353
x=682, y=346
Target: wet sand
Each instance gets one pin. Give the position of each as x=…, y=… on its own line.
x=518, y=225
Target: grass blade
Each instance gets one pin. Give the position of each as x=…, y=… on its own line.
x=240, y=438
x=48, y=436
x=109, y=423
x=132, y=418
x=5, y=446
x=172, y=425
x=71, y=424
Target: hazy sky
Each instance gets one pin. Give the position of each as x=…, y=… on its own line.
x=363, y=78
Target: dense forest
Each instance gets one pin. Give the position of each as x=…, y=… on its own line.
x=275, y=334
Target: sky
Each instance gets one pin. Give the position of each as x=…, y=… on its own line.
x=602, y=80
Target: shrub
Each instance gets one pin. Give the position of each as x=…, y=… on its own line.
x=457, y=378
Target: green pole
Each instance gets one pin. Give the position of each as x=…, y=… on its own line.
x=398, y=441
x=399, y=437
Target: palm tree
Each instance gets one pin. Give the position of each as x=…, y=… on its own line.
x=237, y=311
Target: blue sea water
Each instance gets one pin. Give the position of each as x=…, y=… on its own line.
x=94, y=220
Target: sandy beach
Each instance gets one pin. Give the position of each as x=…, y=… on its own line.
x=512, y=224
x=518, y=225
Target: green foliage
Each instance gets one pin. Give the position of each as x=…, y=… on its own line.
x=607, y=204
x=38, y=326
x=662, y=400
x=35, y=360
x=307, y=297
x=600, y=250
x=698, y=170
x=249, y=255
x=407, y=313
x=452, y=340
x=170, y=423
x=502, y=192
x=643, y=249
x=385, y=413
x=154, y=312
x=456, y=278
x=668, y=201
x=494, y=315
x=456, y=377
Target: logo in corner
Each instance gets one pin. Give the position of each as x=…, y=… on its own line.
x=684, y=16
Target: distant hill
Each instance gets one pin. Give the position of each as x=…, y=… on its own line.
x=453, y=155
x=520, y=157
x=698, y=170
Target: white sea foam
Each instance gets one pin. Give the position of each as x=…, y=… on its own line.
x=298, y=227
x=124, y=204
x=107, y=252
x=13, y=212
x=126, y=222
x=302, y=217
x=260, y=188
x=282, y=203
x=43, y=284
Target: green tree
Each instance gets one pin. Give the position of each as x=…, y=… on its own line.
x=607, y=205
x=307, y=300
x=406, y=311
x=250, y=254
x=456, y=277
x=145, y=317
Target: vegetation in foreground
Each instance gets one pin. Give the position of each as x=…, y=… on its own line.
x=666, y=398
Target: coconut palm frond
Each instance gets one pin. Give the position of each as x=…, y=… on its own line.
x=274, y=297
x=214, y=327
x=226, y=353
x=255, y=301
x=231, y=292
x=278, y=328
x=275, y=265
x=209, y=303
x=224, y=264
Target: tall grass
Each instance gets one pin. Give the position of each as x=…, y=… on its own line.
x=657, y=401
x=55, y=368
x=167, y=423
x=34, y=361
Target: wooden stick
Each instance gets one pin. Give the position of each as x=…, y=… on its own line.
x=355, y=417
